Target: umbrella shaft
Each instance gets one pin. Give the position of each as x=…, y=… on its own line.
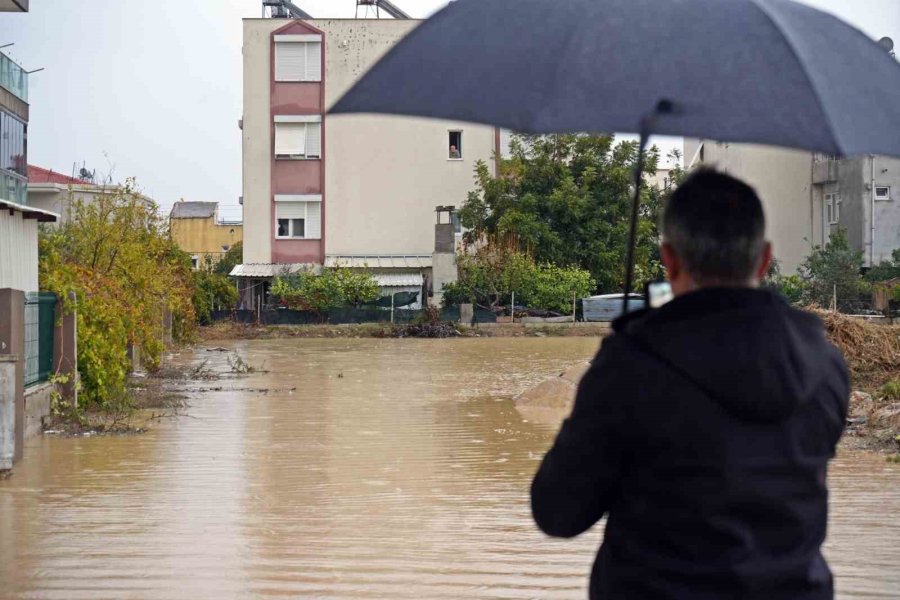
x=638, y=178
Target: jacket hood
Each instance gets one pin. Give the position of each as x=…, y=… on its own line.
x=746, y=348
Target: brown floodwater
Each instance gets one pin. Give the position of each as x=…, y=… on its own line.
x=394, y=469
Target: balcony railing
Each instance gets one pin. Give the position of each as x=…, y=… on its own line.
x=13, y=77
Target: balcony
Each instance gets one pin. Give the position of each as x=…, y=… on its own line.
x=13, y=78
x=825, y=171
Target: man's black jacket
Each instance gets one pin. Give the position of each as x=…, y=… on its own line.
x=703, y=429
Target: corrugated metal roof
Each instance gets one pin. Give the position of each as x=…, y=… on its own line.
x=194, y=210
x=31, y=212
x=263, y=270
x=399, y=279
x=379, y=261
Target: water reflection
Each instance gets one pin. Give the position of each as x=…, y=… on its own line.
x=392, y=469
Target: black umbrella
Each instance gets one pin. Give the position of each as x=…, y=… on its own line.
x=761, y=71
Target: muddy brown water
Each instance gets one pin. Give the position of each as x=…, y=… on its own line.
x=397, y=469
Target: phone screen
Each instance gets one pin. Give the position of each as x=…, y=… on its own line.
x=658, y=293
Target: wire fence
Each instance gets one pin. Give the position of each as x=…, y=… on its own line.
x=40, y=312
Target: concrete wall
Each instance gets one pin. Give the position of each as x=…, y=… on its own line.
x=8, y=387
x=204, y=237
x=887, y=214
x=383, y=175
x=58, y=198
x=12, y=342
x=18, y=252
x=853, y=179
x=257, y=140
x=783, y=180
x=37, y=408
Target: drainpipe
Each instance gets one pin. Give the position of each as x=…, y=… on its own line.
x=872, y=214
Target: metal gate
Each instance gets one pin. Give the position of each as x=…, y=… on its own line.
x=40, y=313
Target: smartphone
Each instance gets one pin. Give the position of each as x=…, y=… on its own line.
x=658, y=293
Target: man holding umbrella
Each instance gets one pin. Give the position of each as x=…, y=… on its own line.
x=704, y=428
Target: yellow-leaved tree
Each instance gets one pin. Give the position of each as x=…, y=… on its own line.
x=115, y=253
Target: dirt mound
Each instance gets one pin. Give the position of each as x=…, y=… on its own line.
x=550, y=401
x=872, y=351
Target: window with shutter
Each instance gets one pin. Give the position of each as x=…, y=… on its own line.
x=290, y=140
x=298, y=60
x=313, y=140
x=298, y=219
x=313, y=61
x=290, y=61
x=298, y=137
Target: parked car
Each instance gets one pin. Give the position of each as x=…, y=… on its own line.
x=608, y=307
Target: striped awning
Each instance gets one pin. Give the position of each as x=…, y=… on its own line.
x=263, y=270
x=399, y=279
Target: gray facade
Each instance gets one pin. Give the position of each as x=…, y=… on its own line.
x=862, y=196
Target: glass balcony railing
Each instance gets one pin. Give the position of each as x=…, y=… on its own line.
x=13, y=78
x=13, y=188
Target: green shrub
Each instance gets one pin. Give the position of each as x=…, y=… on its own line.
x=891, y=390
x=490, y=276
x=834, y=271
x=333, y=288
x=212, y=291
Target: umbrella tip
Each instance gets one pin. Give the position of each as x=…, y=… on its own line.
x=665, y=107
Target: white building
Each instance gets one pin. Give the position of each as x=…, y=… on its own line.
x=18, y=220
x=806, y=197
x=348, y=189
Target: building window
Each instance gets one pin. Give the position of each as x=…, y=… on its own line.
x=195, y=261
x=292, y=228
x=454, y=146
x=833, y=208
x=882, y=193
x=298, y=58
x=12, y=144
x=298, y=219
x=298, y=140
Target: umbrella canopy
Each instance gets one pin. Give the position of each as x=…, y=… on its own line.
x=759, y=71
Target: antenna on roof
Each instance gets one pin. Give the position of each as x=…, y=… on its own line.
x=284, y=9
x=385, y=5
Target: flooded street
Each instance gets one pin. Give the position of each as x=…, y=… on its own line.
x=371, y=469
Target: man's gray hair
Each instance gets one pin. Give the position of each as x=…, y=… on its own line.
x=716, y=226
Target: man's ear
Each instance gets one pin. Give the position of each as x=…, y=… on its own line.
x=765, y=262
x=670, y=261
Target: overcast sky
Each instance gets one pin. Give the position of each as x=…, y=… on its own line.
x=152, y=88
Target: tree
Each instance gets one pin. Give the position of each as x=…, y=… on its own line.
x=491, y=275
x=792, y=287
x=233, y=257
x=566, y=200
x=834, y=270
x=116, y=255
x=213, y=290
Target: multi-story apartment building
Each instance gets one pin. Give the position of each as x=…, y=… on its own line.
x=350, y=189
x=862, y=196
x=807, y=197
x=18, y=220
